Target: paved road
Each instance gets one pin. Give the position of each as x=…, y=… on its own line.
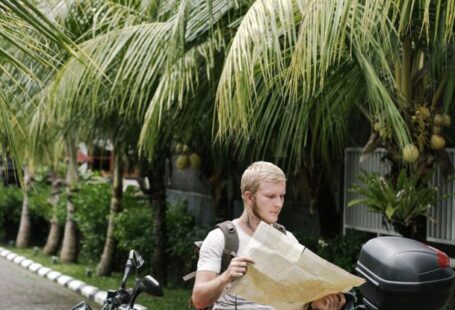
x=22, y=289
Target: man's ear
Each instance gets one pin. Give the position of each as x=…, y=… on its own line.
x=249, y=198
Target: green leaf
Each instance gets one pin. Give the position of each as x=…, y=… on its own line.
x=390, y=211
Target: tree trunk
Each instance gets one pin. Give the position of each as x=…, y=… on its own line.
x=23, y=235
x=53, y=239
x=329, y=217
x=321, y=198
x=68, y=253
x=160, y=237
x=156, y=194
x=105, y=265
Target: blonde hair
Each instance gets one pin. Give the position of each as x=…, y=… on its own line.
x=260, y=171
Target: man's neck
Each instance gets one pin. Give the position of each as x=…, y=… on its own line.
x=249, y=222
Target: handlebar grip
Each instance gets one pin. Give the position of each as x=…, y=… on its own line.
x=350, y=301
x=126, y=272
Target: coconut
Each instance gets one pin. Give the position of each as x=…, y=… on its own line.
x=182, y=162
x=425, y=112
x=384, y=133
x=186, y=149
x=410, y=153
x=437, y=142
x=437, y=120
x=437, y=130
x=377, y=126
x=195, y=161
x=446, y=120
x=179, y=148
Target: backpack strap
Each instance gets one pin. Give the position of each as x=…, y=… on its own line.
x=231, y=243
x=196, y=248
x=279, y=227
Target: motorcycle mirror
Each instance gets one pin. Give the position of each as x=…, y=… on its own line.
x=148, y=285
x=138, y=261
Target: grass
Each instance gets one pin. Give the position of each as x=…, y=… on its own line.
x=173, y=298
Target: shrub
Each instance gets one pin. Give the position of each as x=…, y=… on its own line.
x=342, y=251
x=92, y=204
x=10, y=211
x=134, y=230
x=134, y=225
x=182, y=233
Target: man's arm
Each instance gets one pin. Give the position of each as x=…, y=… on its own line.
x=209, y=286
x=329, y=302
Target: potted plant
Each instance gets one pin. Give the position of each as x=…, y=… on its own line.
x=404, y=203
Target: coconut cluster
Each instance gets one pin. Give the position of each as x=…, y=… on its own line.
x=381, y=128
x=437, y=141
x=186, y=158
x=411, y=152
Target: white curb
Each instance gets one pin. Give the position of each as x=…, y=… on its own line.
x=89, y=291
x=100, y=297
x=34, y=267
x=18, y=259
x=53, y=275
x=63, y=280
x=26, y=262
x=11, y=256
x=4, y=252
x=43, y=271
x=77, y=286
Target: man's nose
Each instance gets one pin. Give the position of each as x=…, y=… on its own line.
x=278, y=202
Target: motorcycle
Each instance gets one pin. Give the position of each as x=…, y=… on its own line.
x=124, y=298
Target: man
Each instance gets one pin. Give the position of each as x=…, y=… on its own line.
x=263, y=187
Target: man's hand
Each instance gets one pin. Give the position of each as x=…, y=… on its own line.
x=329, y=302
x=237, y=268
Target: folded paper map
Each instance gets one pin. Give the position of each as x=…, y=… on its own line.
x=287, y=275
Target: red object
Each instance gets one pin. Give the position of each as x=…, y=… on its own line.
x=443, y=258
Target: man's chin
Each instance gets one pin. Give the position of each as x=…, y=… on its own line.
x=272, y=219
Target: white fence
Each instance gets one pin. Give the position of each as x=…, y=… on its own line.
x=441, y=225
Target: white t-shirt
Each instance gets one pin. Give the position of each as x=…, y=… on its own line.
x=210, y=260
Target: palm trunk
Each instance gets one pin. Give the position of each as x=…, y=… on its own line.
x=68, y=253
x=160, y=236
x=53, y=239
x=156, y=194
x=316, y=183
x=104, y=267
x=23, y=235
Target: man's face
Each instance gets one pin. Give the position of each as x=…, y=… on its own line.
x=268, y=201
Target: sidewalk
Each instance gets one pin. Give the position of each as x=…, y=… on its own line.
x=88, y=291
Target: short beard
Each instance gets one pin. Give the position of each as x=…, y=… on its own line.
x=255, y=211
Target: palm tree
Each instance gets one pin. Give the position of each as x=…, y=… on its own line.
x=68, y=252
x=25, y=38
x=53, y=238
x=296, y=70
x=23, y=29
x=132, y=67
